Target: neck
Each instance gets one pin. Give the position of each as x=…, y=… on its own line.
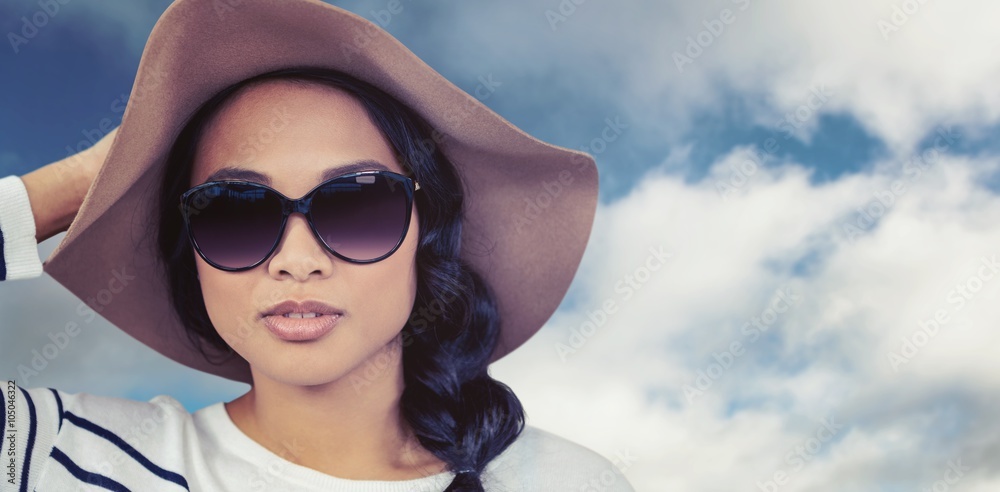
x=349, y=428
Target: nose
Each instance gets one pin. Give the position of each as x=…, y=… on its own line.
x=299, y=254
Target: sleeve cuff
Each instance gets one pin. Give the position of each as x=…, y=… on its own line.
x=17, y=228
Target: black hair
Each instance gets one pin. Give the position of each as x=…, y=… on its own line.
x=456, y=409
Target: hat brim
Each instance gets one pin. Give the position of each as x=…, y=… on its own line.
x=529, y=205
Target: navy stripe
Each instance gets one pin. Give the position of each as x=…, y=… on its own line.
x=124, y=446
x=31, y=440
x=59, y=405
x=3, y=263
x=86, y=476
x=3, y=404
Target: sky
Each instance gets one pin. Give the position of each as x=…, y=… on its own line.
x=791, y=281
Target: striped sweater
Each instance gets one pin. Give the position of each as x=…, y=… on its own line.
x=18, y=248
x=56, y=441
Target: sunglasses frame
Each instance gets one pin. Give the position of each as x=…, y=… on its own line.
x=301, y=205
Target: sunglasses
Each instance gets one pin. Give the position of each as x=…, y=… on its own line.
x=361, y=217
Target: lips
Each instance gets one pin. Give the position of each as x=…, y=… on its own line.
x=301, y=329
x=301, y=321
x=301, y=309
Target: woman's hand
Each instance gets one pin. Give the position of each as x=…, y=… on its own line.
x=56, y=190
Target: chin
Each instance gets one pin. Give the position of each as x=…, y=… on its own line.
x=299, y=365
x=295, y=372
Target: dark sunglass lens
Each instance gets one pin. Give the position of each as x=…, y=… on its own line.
x=362, y=218
x=235, y=225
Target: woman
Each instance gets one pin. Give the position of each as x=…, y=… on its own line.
x=361, y=324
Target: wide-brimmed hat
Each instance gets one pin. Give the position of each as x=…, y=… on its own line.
x=529, y=205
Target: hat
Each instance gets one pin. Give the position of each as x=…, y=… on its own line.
x=529, y=205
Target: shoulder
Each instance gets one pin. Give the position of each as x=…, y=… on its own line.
x=542, y=460
x=76, y=418
x=59, y=434
x=80, y=409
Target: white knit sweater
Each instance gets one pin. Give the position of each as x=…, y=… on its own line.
x=55, y=441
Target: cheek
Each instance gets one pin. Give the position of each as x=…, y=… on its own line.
x=407, y=269
x=221, y=292
x=383, y=293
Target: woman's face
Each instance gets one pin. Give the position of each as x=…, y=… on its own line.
x=292, y=133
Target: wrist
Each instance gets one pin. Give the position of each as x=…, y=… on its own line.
x=72, y=174
x=54, y=195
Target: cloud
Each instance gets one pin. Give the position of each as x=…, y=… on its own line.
x=666, y=63
x=660, y=375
